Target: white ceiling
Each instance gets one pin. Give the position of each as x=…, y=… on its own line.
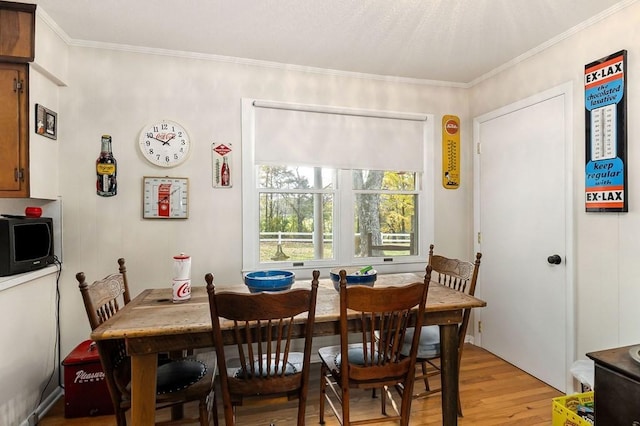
x=454, y=41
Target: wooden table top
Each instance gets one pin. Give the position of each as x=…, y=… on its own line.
x=619, y=360
x=152, y=312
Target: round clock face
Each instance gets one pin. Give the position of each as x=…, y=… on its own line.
x=164, y=143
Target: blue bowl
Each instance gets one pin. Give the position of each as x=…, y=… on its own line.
x=269, y=280
x=368, y=279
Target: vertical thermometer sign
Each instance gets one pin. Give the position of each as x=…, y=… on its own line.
x=450, y=152
x=221, y=157
x=606, y=134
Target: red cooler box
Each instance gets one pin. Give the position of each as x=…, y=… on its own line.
x=85, y=388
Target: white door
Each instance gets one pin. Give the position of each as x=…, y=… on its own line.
x=522, y=212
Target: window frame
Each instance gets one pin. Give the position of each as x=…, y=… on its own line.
x=343, y=249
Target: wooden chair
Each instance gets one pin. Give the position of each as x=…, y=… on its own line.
x=373, y=358
x=458, y=275
x=263, y=326
x=179, y=381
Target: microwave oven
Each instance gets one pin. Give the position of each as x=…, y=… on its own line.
x=26, y=244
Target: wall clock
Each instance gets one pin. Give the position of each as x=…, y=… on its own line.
x=164, y=143
x=165, y=197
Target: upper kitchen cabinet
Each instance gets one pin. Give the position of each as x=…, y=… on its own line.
x=14, y=159
x=17, y=31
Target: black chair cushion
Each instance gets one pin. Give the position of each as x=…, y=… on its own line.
x=177, y=375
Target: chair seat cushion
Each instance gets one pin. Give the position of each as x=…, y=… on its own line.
x=429, y=346
x=293, y=366
x=177, y=375
x=355, y=355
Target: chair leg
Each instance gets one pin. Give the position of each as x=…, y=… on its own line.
x=323, y=391
x=121, y=417
x=425, y=376
x=405, y=404
x=203, y=410
x=302, y=403
x=345, y=406
x=209, y=408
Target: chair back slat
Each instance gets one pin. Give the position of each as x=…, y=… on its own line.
x=263, y=326
x=102, y=300
x=385, y=313
x=374, y=360
x=460, y=276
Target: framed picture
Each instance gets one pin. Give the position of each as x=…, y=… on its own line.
x=165, y=197
x=46, y=122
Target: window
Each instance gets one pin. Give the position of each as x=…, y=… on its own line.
x=325, y=187
x=296, y=209
x=385, y=213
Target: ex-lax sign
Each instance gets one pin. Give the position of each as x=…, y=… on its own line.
x=605, y=103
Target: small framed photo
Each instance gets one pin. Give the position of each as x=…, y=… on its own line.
x=46, y=122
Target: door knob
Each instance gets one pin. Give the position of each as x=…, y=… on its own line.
x=554, y=259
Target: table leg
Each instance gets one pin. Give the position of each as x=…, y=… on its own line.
x=177, y=411
x=143, y=389
x=449, y=376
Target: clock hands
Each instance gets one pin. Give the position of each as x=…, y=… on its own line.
x=166, y=138
x=173, y=136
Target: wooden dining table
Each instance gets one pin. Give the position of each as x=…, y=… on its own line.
x=151, y=323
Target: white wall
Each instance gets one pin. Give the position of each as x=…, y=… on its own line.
x=118, y=93
x=606, y=244
x=29, y=359
x=102, y=91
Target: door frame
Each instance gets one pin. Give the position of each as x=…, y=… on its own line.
x=566, y=90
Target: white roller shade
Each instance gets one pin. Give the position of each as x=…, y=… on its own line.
x=338, y=137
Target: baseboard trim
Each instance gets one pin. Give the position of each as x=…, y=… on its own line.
x=44, y=407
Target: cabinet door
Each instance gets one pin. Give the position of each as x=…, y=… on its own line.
x=13, y=131
x=616, y=398
x=17, y=31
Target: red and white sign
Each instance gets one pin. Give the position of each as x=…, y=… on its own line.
x=164, y=199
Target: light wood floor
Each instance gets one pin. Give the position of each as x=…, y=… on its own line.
x=493, y=392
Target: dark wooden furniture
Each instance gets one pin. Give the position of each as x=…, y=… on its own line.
x=616, y=387
x=263, y=325
x=458, y=275
x=371, y=359
x=17, y=48
x=17, y=31
x=14, y=130
x=105, y=297
x=178, y=381
x=149, y=327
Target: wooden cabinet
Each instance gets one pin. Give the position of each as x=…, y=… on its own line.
x=14, y=130
x=17, y=48
x=616, y=387
x=17, y=31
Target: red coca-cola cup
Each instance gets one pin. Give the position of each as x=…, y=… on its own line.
x=33, y=212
